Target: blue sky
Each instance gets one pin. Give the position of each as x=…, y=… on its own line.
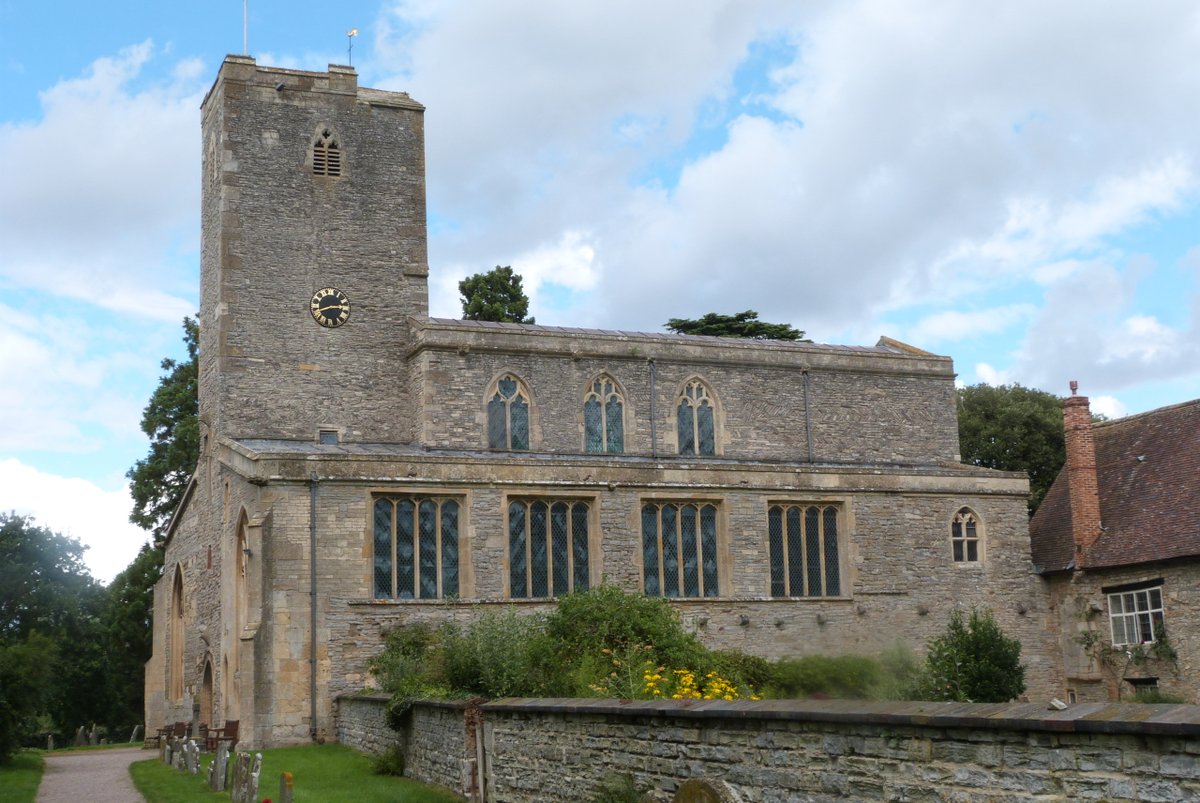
x=1016, y=187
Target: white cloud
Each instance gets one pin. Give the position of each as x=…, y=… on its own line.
x=954, y=325
x=1108, y=406
x=101, y=190
x=78, y=508
x=989, y=375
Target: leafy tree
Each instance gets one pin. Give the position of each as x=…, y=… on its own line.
x=741, y=324
x=171, y=421
x=50, y=609
x=26, y=680
x=1013, y=428
x=972, y=662
x=495, y=296
x=128, y=635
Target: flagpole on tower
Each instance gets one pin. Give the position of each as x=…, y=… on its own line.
x=245, y=27
x=350, y=34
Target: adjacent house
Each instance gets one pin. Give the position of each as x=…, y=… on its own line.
x=1117, y=541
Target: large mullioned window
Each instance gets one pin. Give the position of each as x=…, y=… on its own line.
x=696, y=420
x=547, y=547
x=416, y=548
x=508, y=415
x=804, y=550
x=604, y=417
x=679, y=549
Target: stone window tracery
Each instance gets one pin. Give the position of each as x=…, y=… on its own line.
x=696, y=420
x=805, y=551
x=508, y=415
x=604, y=417
x=326, y=154
x=548, y=547
x=416, y=547
x=965, y=536
x=679, y=549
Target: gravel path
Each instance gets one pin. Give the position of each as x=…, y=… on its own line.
x=95, y=776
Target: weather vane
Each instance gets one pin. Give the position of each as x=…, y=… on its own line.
x=350, y=34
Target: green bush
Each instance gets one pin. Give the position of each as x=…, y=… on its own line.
x=390, y=762
x=1157, y=696
x=842, y=677
x=616, y=788
x=495, y=655
x=744, y=670
x=899, y=672
x=972, y=662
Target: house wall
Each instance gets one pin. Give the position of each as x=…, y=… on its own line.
x=1079, y=606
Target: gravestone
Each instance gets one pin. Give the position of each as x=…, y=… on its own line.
x=92, y=736
x=241, y=771
x=80, y=738
x=164, y=750
x=285, y=788
x=191, y=757
x=133, y=737
x=218, y=768
x=177, y=753
x=50, y=741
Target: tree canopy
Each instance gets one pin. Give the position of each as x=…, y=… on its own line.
x=495, y=296
x=972, y=662
x=53, y=661
x=171, y=421
x=741, y=324
x=1013, y=428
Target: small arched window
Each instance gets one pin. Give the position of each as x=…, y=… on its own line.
x=326, y=154
x=696, y=420
x=965, y=532
x=604, y=417
x=508, y=415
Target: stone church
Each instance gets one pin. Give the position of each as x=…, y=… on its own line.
x=364, y=465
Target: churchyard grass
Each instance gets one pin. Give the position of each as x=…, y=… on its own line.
x=321, y=774
x=19, y=780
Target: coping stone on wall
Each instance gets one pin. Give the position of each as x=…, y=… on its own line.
x=1156, y=719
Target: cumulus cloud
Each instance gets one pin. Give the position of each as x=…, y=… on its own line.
x=80, y=509
x=103, y=189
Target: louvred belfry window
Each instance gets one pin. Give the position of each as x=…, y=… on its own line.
x=327, y=156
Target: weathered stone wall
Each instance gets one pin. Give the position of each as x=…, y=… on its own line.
x=1079, y=605
x=552, y=750
x=438, y=740
x=864, y=405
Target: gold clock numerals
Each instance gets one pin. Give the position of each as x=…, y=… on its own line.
x=330, y=307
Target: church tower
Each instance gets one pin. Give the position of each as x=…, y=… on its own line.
x=313, y=255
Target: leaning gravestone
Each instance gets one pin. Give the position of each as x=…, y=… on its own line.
x=133, y=736
x=218, y=768
x=92, y=736
x=245, y=779
x=191, y=757
x=80, y=738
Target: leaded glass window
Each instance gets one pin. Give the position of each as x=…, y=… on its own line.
x=695, y=420
x=604, y=417
x=804, y=548
x=964, y=536
x=1136, y=616
x=508, y=415
x=547, y=547
x=679, y=549
x=415, y=548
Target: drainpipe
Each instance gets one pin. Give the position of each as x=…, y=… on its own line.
x=312, y=597
x=653, y=414
x=807, y=417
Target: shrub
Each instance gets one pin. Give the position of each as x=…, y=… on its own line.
x=746, y=670
x=495, y=655
x=1156, y=696
x=899, y=671
x=616, y=788
x=972, y=662
x=390, y=762
x=842, y=676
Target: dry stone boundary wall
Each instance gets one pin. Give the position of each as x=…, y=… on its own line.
x=553, y=750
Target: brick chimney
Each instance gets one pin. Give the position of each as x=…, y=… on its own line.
x=1081, y=474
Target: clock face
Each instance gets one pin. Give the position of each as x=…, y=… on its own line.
x=330, y=307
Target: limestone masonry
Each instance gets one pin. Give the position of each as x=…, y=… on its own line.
x=365, y=466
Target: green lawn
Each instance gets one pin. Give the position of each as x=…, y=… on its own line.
x=321, y=774
x=19, y=780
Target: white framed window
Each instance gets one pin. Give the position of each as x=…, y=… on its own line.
x=1135, y=615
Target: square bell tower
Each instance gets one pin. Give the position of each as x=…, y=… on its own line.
x=313, y=254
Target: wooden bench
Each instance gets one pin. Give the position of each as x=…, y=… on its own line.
x=215, y=736
x=168, y=732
